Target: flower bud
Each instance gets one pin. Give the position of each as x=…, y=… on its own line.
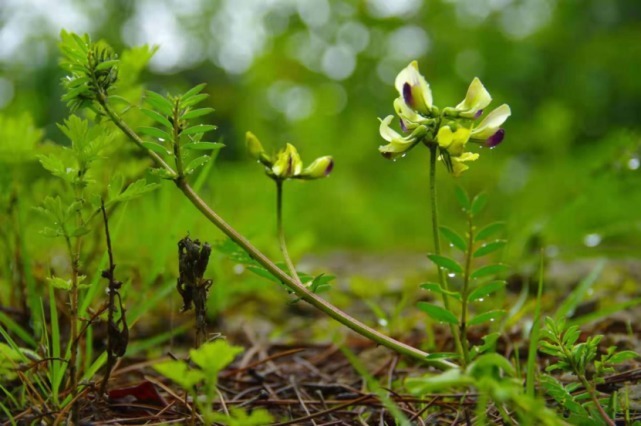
x=288, y=163
x=320, y=168
x=255, y=149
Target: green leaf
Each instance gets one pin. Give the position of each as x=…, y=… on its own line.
x=179, y=372
x=202, y=146
x=489, y=248
x=486, y=316
x=194, y=113
x=193, y=91
x=489, y=343
x=485, y=290
x=489, y=230
x=438, y=313
x=622, y=356
x=200, y=128
x=453, y=237
x=195, y=163
x=262, y=272
x=445, y=262
x=159, y=118
x=156, y=133
x=488, y=270
x=60, y=283
x=135, y=190
x=430, y=383
x=436, y=288
x=159, y=103
x=478, y=203
x=213, y=357
x=107, y=64
x=193, y=100
x=462, y=198
x=156, y=147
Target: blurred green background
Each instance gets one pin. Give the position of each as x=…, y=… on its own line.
x=318, y=73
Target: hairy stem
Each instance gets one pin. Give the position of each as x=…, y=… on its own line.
x=296, y=288
x=437, y=246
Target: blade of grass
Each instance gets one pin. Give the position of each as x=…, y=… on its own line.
x=56, y=369
x=604, y=312
x=33, y=298
x=577, y=295
x=17, y=330
x=534, y=336
x=139, y=346
x=7, y=413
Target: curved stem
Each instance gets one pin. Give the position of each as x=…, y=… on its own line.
x=299, y=290
x=281, y=232
x=437, y=246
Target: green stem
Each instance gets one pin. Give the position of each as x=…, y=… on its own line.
x=586, y=384
x=281, y=232
x=466, y=290
x=437, y=246
x=297, y=289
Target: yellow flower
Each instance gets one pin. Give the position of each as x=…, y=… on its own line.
x=453, y=141
x=476, y=99
x=414, y=90
x=398, y=145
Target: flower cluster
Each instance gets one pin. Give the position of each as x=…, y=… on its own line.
x=286, y=164
x=449, y=129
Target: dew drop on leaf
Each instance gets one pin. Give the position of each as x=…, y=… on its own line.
x=239, y=269
x=451, y=275
x=592, y=240
x=634, y=163
x=382, y=322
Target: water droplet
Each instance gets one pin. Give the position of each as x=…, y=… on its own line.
x=161, y=140
x=382, y=322
x=451, y=275
x=403, y=154
x=451, y=245
x=492, y=319
x=634, y=163
x=592, y=240
x=239, y=269
x=481, y=299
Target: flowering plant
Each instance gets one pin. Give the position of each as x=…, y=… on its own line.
x=449, y=129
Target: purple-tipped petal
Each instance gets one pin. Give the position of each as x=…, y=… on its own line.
x=478, y=114
x=403, y=126
x=407, y=94
x=495, y=139
x=329, y=168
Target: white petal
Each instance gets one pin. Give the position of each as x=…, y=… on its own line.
x=492, y=122
x=386, y=132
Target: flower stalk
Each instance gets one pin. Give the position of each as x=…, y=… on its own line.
x=437, y=249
